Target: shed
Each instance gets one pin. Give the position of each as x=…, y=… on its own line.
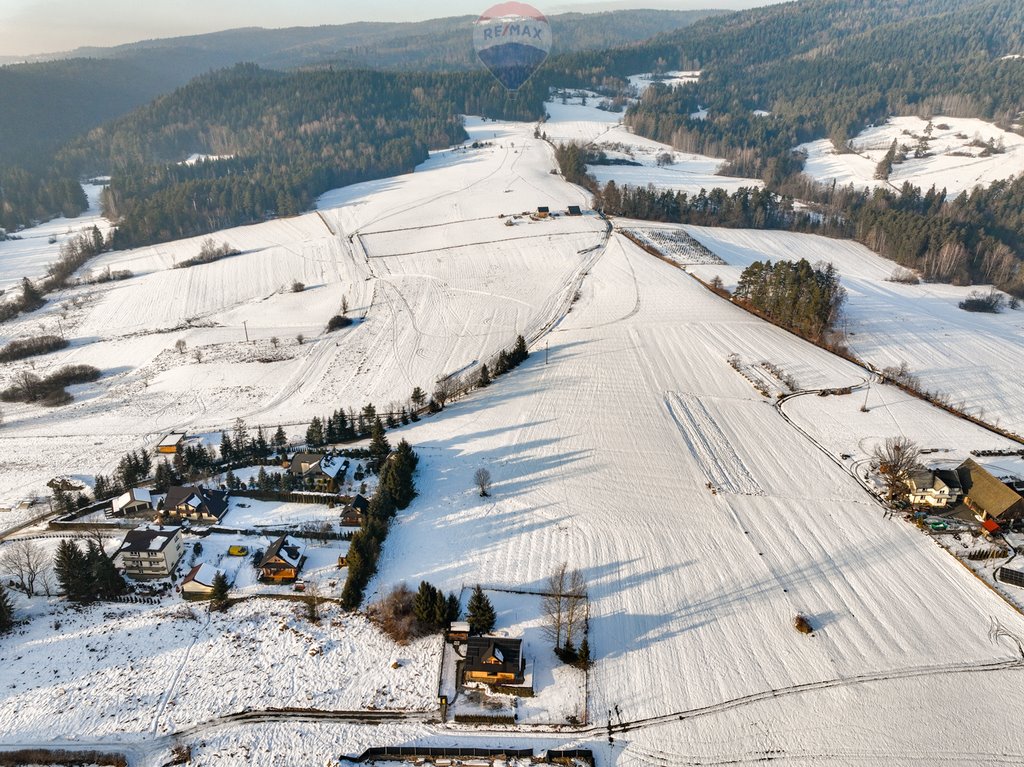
x=135, y=500
x=172, y=443
x=574, y=210
x=199, y=581
x=543, y=211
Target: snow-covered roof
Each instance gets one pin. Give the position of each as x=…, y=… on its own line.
x=149, y=538
x=331, y=465
x=203, y=574
x=172, y=439
x=134, y=495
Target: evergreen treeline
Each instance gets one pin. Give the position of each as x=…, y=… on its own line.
x=395, y=492
x=803, y=298
x=86, y=576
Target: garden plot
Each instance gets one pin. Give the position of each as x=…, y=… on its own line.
x=969, y=358
x=959, y=154
x=251, y=513
x=132, y=670
x=675, y=244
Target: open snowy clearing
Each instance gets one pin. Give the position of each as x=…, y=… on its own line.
x=684, y=172
x=139, y=670
x=956, y=159
x=435, y=280
x=973, y=358
x=29, y=255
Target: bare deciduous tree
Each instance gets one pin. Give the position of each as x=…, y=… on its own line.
x=26, y=562
x=180, y=345
x=445, y=389
x=897, y=457
x=313, y=600
x=482, y=479
x=564, y=605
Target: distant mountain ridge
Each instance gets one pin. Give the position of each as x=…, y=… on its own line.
x=48, y=102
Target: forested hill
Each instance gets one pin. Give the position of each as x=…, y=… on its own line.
x=823, y=68
x=46, y=104
x=290, y=137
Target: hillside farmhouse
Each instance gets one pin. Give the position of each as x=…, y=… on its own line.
x=321, y=473
x=495, y=660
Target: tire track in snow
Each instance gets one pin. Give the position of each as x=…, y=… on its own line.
x=709, y=446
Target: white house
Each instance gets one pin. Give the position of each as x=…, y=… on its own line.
x=150, y=551
x=938, y=489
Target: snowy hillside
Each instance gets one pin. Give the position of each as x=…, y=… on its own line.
x=958, y=155
x=972, y=358
x=434, y=277
x=29, y=255
x=603, y=130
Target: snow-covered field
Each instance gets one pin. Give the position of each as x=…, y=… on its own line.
x=703, y=518
x=684, y=172
x=972, y=358
x=29, y=255
x=138, y=670
x=434, y=278
x=956, y=159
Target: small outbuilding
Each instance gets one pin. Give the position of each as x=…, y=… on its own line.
x=198, y=584
x=172, y=444
x=543, y=211
x=355, y=512
x=574, y=210
x=135, y=501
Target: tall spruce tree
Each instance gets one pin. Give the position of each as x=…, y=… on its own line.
x=219, y=594
x=73, y=572
x=6, y=611
x=480, y=612
x=380, y=448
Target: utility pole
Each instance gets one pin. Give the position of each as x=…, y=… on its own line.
x=545, y=352
x=246, y=328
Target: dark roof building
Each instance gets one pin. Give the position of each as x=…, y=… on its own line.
x=986, y=495
x=354, y=513
x=197, y=503
x=282, y=561
x=494, y=660
x=574, y=210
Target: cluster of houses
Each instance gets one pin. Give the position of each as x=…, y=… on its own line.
x=968, y=491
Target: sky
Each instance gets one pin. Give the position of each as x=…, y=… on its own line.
x=45, y=26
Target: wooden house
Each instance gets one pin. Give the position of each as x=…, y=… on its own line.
x=987, y=496
x=355, y=512
x=282, y=562
x=320, y=473
x=195, y=504
x=198, y=584
x=495, y=660
x=172, y=444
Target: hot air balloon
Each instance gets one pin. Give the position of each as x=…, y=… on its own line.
x=512, y=40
